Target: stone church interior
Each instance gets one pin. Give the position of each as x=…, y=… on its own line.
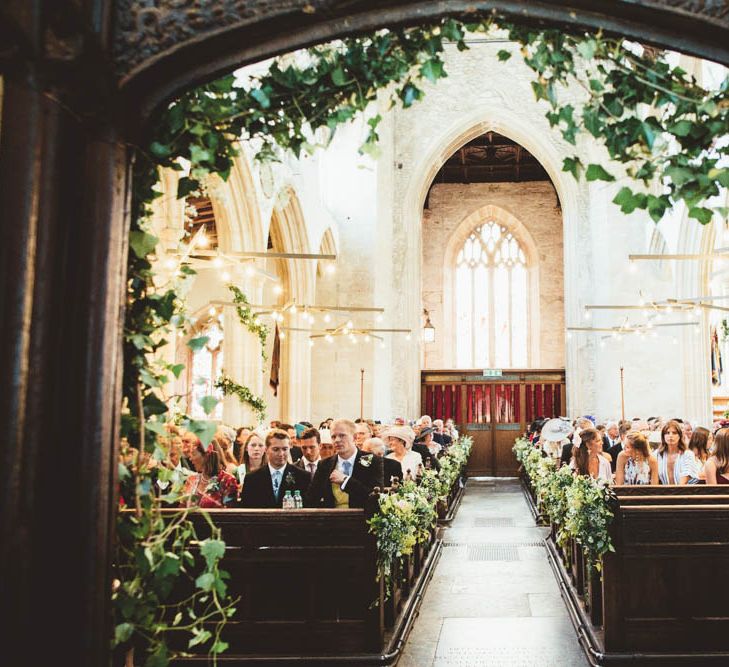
x=364, y=334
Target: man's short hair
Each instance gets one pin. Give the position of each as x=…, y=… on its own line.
x=311, y=433
x=624, y=428
x=285, y=427
x=276, y=434
x=351, y=426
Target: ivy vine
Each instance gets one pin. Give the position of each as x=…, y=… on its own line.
x=248, y=318
x=231, y=388
x=655, y=120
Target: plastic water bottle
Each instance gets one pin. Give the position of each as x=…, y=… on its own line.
x=298, y=500
x=288, y=501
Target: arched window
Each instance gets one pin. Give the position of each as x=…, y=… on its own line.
x=206, y=365
x=492, y=292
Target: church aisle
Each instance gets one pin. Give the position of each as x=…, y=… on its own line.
x=493, y=599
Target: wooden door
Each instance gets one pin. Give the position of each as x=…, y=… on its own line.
x=493, y=411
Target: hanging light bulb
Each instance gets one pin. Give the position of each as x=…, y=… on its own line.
x=225, y=276
x=311, y=343
x=569, y=335
x=249, y=271
x=311, y=318
x=170, y=263
x=180, y=333
x=632, y=267
x=202, y=240
x=278, y=289
x=407, y=336
x=293, y=309
x=331, y=268
x=367, y=339
x=345, y=330
x=212, y=311
x=382, y=344
x=669, y=309
x=353, y=339
x=588, y=314
x=327, y=318
x=217, y=262
x=328, y=338
x=349, y=324
x=379, y=317
x=281, y=335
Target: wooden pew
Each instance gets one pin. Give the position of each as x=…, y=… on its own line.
x=663, y=598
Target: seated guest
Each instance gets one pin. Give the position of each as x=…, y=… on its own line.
x=189, y=440
x=717, y=465
x=440, y=436
x=326, y=446
x=309, y=442
x=266, y=487
x=392, y=468
x=699, y=445
x=587, y=458
x=294, y=450
x=253, y=456
x=615, y=449
x=241, y=435
x=361, y=433
x=635, y=464
x=400, y=439
x=675, y=461
x=611, y=437
x=347, y=479
x=688, y=431
x=210, y=486
x=428, y=448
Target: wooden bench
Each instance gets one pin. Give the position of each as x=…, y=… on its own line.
x=663, y=597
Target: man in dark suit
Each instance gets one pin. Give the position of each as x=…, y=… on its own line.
x=425, y=447
x=392, y=468
x=266, y=487
x=615, y=445
x=346, y=479
x=294, y=450
x=309, y=443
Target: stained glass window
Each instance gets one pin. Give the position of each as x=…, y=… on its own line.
x=492, y=315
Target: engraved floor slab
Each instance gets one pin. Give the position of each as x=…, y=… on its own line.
x=493, y=600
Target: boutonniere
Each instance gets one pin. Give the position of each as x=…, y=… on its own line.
x=290, y=480
x=366, y=461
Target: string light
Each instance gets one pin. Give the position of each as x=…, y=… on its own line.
x=407, y=336
x=327, y=318
x=212, y=311
x=281, y=335
x=367, y=339
x=278, y=289
x=331, y=268
x=328, y=338
x=249, y=271
x=170, y=263
x=225, y=276
x=293, y=309
x=349, y=324
x=311, y=319
x=202, y=240
x=217, y=262
x=180, y=333
x=588, y=314
x=569, y=335
x=382, y=344
x=311, y=343
x=345, y=330
x=379, y=317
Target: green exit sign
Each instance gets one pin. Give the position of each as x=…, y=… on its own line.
x=492, y=372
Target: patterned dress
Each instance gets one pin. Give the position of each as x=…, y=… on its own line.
x=220, y=490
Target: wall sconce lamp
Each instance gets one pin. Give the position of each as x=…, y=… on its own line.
x=428, y=328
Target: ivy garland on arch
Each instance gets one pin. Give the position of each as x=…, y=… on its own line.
x=229, y=387
x=248, y=318
x=655, y=120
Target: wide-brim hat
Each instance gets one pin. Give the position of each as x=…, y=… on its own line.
x=425, y=431
x=556, y=429
x=404, y=433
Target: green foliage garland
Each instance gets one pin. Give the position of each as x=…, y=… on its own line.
x=248, y=319
x=245, y=395
x=578, y=506
x=408, y=513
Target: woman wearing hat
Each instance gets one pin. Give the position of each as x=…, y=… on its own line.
x=400, y=440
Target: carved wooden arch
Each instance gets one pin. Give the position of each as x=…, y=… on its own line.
x=162, y=48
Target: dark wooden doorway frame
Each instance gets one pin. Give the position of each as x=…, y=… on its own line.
x=81, y=80
x=494, y=411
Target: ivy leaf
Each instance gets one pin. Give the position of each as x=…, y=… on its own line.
x=432, y=70
x=703, y=215
x=682, y=128
x=205, y=581
x=212, y=551
x=208, y=403
x=205, y=430
x=628, y=201
x=595, y=172
x=587, y=48
x=123, y=632
x=160, y=150
x=197, y=344
x=176, y=369
x=153, y=405
x=142, y=243
x=201, y=636
x=155, y=427
x=219, y=646
x=503, y=55
x=185, y=186
x=261, y=97
x=169, y=566
x=657, y=206
x=198, y=155
x=572, y=165
x=339, y=78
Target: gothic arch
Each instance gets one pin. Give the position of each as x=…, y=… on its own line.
x=550, y=153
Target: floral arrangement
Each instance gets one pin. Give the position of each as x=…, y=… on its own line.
x=578, y=506
x=408, y=513
x=231, y=388
x=247, y=317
